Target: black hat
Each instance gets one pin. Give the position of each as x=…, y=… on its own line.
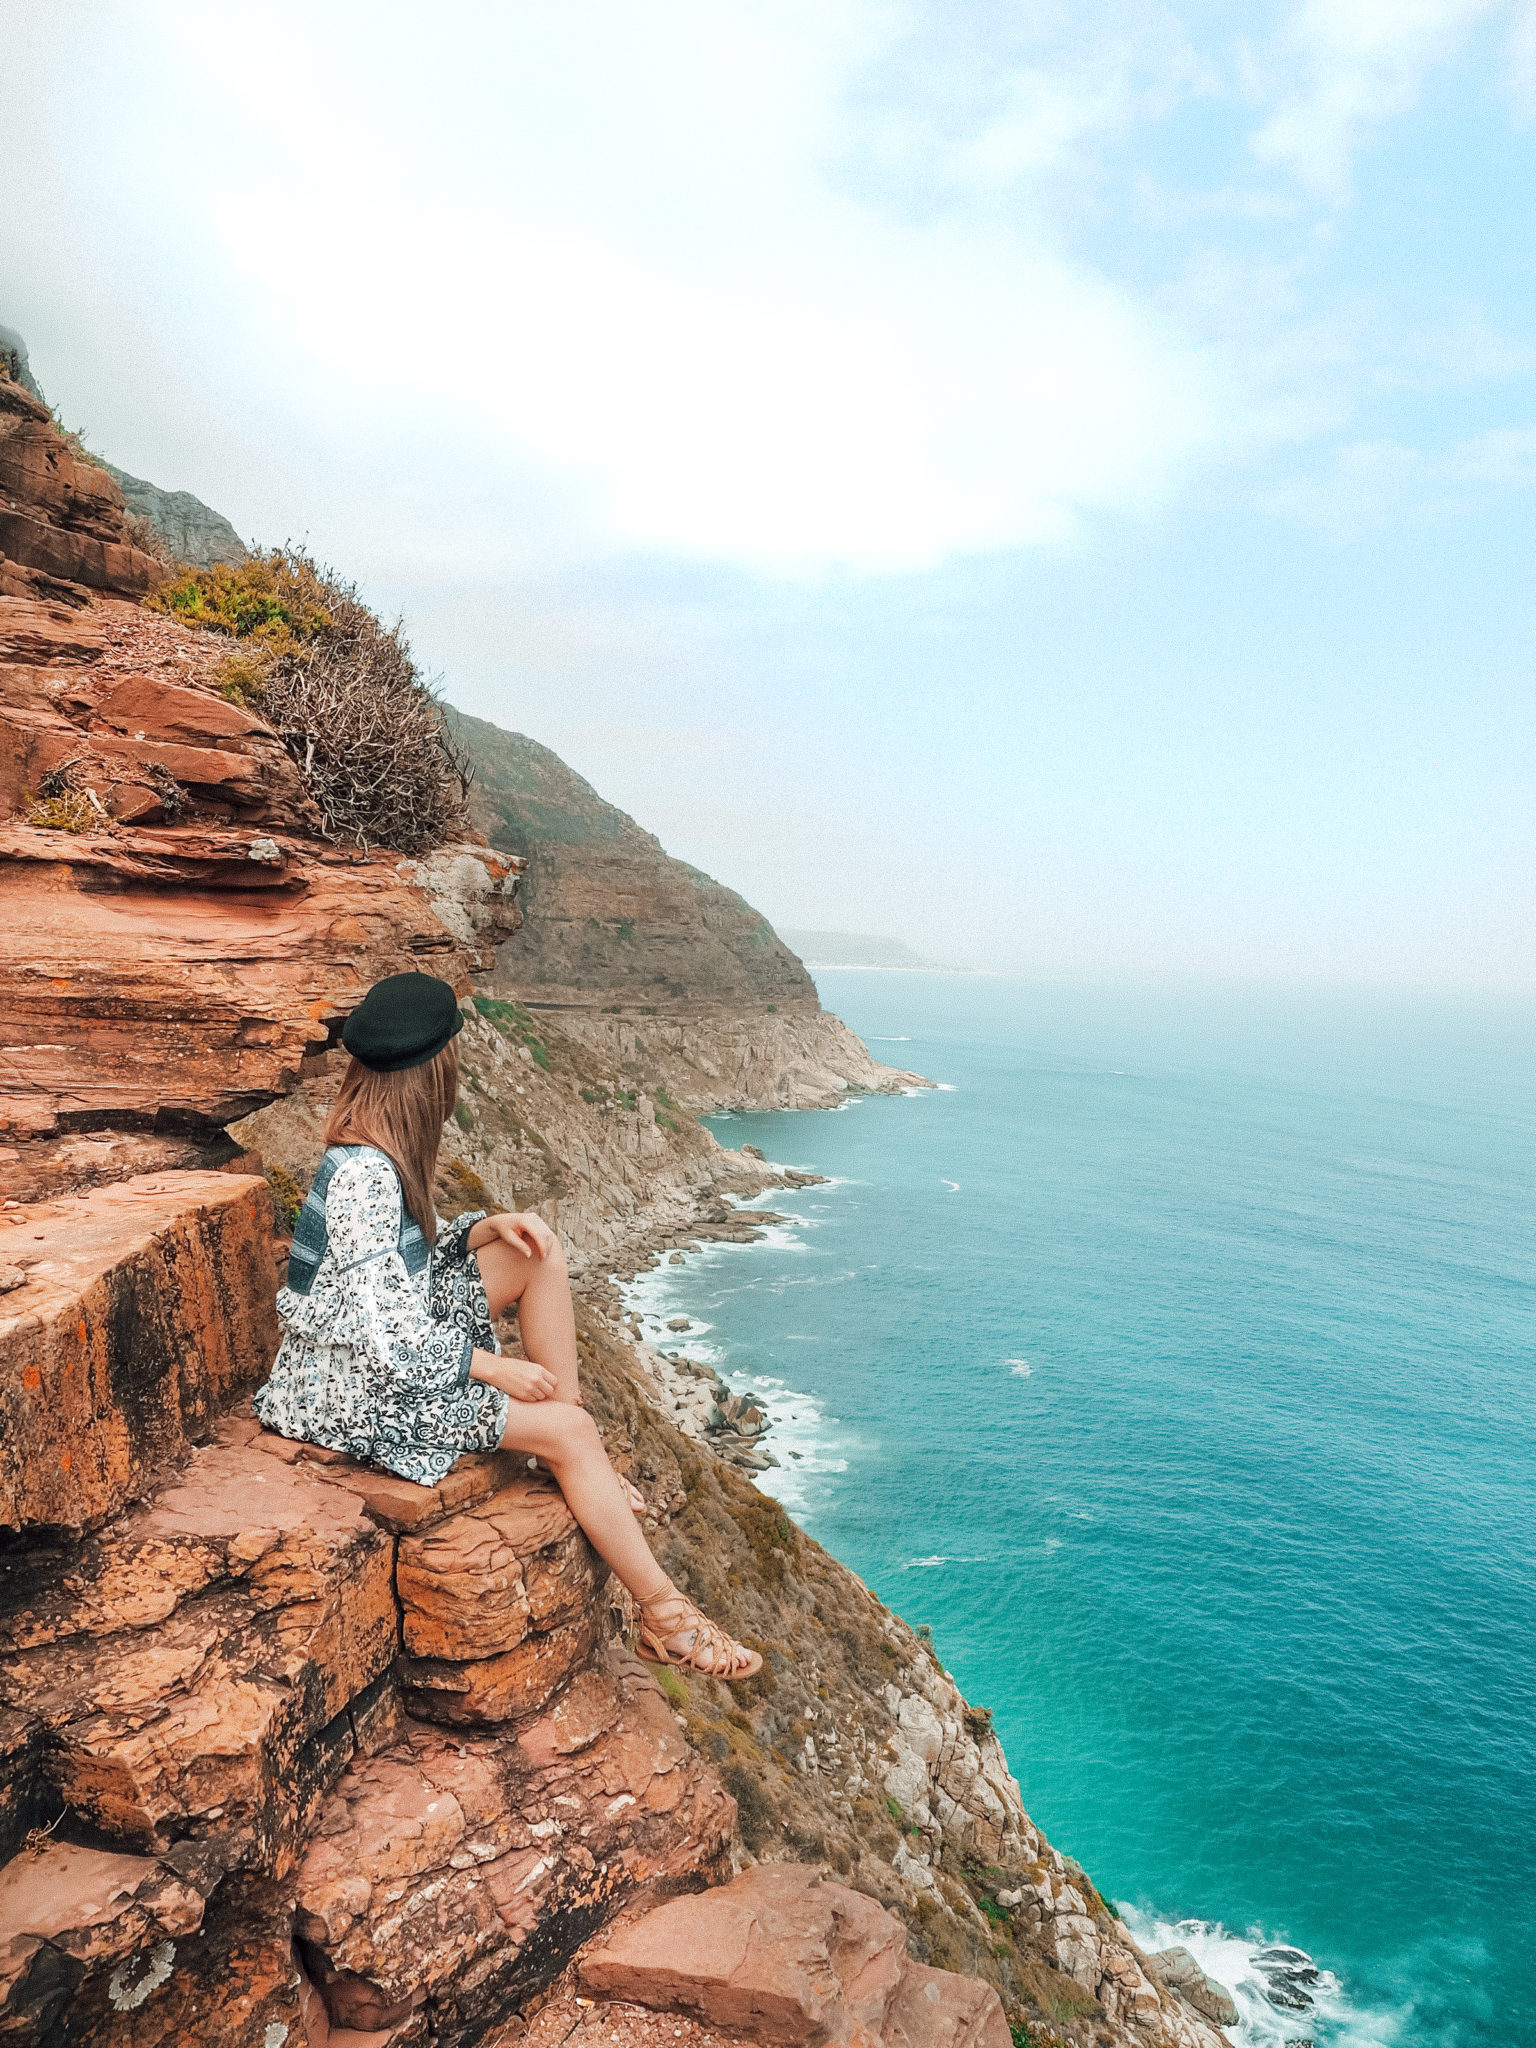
x=403, y=1021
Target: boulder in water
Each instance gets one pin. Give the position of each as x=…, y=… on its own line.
x=1177, y=1968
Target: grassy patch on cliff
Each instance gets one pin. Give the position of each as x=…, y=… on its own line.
x=514, y=1022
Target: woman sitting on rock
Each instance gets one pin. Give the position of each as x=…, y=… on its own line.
x=388, y=1352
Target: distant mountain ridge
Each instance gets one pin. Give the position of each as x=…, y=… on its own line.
x=852, y=949
x=187, y=529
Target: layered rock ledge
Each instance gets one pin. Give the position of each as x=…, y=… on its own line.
x=217, y=1704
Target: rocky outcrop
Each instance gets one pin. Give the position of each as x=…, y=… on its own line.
x=641, y=957
x=63, y=529
x=187, y=530
x=464, y=1873
x=1177, y=1968
x=137, y=1313
x=499, y=1607
x=191, y=1667
x=612, y=918
x=171, y=526
x=710, y=1060
x=783, y=1957
x=216, y=1704
x=174, y=941
x=14, y=362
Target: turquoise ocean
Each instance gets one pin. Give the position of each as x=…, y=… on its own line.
x=1172, y=1361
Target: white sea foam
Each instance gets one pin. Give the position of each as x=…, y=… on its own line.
x=808, y=1442
x=1019, y=1367
x=1330, y=2020
x=952, y=1185
x=944, y=1088
x=874, y=1038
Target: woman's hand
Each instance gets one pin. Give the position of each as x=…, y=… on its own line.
x=525, y=1232
x=518, y=1377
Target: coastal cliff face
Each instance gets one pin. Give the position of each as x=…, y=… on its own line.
x=292, y=1751
x=640, y=956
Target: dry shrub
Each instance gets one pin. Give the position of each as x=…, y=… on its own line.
x=144, y=535
x=67, y=798
x=342, y=692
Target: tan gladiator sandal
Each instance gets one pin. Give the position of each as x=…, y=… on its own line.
x=728, y=1660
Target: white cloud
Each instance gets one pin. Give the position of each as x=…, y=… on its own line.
x=543, y=284
x=1365, y=483
x=617, y=245
x=1105, y=71
x=1345, y=67
x=1504, y=457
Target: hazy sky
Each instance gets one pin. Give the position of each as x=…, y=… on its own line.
x=1053, y=483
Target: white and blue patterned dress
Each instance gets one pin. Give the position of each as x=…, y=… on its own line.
x=379, y=1327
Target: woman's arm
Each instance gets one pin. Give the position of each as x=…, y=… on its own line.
x=524, y=1231
x=519, y=1377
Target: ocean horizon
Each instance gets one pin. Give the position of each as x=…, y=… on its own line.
x=1170, y=1360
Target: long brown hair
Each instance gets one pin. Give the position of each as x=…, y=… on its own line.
x=401, y=1115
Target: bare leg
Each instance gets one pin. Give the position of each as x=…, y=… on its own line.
x=565, y=1439
x=542, y=1290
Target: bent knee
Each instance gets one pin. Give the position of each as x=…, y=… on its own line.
x=554, y=1258
x=572, y=1430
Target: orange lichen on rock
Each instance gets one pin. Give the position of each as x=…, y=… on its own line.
x=147, y=1307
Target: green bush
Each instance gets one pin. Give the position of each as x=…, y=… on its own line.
x=287, y=1195
x=280, y=600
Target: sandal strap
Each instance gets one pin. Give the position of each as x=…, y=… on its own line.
x=707, y=1635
